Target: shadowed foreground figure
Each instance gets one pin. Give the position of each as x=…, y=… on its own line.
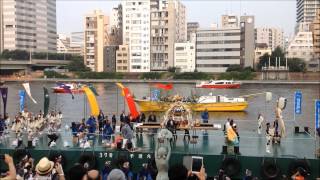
x=162, y=154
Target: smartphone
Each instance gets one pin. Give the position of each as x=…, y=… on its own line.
x=197, y=163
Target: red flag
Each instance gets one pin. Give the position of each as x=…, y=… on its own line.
x=132, y=106
x=164, y=86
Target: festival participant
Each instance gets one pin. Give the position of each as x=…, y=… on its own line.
x=100, y=120
x=122, y=116
x=2, y=126
x=52, y=135
x=114, y=122
x=144, y=173
x=142, y=118
x=226, y=126
x=107, y=132
x=152, y=117
x=126, y=170
x=260, y=121
x=232, y=136
x=171, y=126
x=269, y=136
x=205, y=116
x=92, y=125
x=46, y=169
x=127, y=134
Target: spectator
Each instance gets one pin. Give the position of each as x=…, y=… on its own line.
x=44, y=170
x=114, y=122
x=106, y=170
x=11, y=174
x=92, y=175
x=116, y=174
x=221, y=176
x=152, y=118
x=100, y=120
x=126, y=170
x=92, y=125
x=145, y=173
x=205, y=116
x=77, y=172
x=180, y=172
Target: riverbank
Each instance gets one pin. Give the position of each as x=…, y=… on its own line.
x=275, y=82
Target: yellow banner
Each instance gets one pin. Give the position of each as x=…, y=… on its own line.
x=94, y=107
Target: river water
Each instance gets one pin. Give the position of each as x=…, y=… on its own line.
x=111, y=101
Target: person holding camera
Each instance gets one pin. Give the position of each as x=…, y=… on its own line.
x=11, y=174
x=49, y=170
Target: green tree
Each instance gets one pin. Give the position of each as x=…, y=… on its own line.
x=77, y=64
x=296, y=65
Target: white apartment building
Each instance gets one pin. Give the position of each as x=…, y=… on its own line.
x=136, y=33
x=95, y=38
x=272, y=37
x=306, y=10
x=229, y=21
x=301, y=46
x=76, y=43
x=184, y=56
x=63, y=43
x=28, y=25
x=122, y=59
x=217, y=49
x=168, y=25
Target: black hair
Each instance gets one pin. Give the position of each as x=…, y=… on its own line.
x=178, y=171
x=76, y=172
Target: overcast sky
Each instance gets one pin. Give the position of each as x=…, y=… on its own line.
x=272, y=13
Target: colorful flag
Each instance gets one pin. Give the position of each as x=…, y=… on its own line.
x=121, y=86
x=155, y=95
x=4, y=93
x=163, y=86
x=22, y=94
x=27, y=88
x=132, y=106
x=46, y=101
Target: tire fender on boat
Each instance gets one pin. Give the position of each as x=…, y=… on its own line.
x=270, y=170
x=299, y=163
x=231, y=166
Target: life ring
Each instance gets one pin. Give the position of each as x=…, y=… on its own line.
x=231, y=166
x=298, y=164
x=88, y=161
x=270, y=170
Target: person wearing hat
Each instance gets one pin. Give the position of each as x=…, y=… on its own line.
x=48, y=170
x=116, y=174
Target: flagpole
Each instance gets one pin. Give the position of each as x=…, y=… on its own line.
x=117, y=101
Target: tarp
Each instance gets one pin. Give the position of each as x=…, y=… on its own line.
x=94, y=107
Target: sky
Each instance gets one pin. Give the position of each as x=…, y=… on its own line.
x=271, y=13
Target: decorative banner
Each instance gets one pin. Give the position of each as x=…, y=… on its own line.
x=22, y=94
x=121, y=86
x=132, y=106
x=46, y=102
x=163, y=86
x=297, y=102
x=93, y=89
x=92, y=101
x=4, y=93
x=155, y=95
x=27, y=88
x=317, y=113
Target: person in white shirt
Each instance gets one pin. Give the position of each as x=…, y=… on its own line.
x=260, y=121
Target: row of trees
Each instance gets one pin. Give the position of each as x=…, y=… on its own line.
x=294, y=64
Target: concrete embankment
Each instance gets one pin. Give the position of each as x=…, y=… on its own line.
x=273, y=82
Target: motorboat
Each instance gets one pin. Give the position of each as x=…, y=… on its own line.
x=64, y=88
x=219, y=84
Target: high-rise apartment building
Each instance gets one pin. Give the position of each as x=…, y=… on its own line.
x=28, y=25
x=229, y=21
x=136, y=33
x=184, y=56
x=301, y=46
x=247, y=41
x=76, y=43
x=95, y=38
x=122, y=59
x=272, y=37
x=315, y=28
x=306, y=10
x=110, y=58
x=217, y=49
x=115, y=31
x=168, y=25
x=192, y=28
x=63, y=43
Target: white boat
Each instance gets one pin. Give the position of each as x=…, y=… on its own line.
x=219, y=84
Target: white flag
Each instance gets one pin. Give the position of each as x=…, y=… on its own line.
x=27, y=88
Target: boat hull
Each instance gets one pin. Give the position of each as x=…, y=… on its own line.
x=219, y=86
x=75, y=91
x=154, y=106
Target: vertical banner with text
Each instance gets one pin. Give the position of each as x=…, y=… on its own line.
x=317, y=113
x=297, y=102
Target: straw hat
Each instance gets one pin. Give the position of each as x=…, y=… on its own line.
x=44, y=166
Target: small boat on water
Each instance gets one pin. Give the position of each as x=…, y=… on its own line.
x=220, y=84
x=66, y=88
x=210, y=102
